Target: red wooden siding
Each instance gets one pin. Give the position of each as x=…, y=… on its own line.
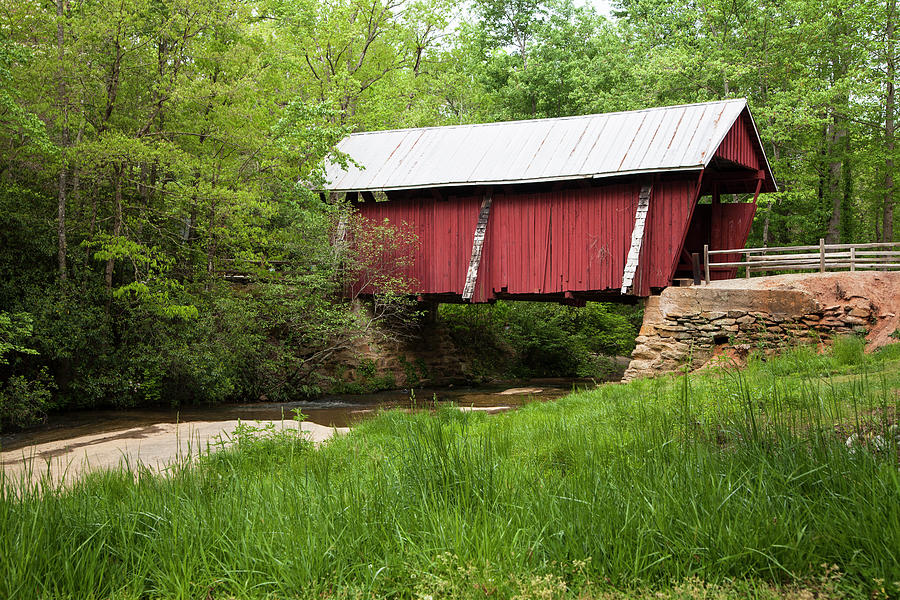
x=540, y=243
x=554, y=242
x=740, y=145
x=445, y=231
x=671, y=206
x=730, y=226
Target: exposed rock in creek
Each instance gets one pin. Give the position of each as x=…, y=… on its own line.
x=491, y=410
x=684, y=327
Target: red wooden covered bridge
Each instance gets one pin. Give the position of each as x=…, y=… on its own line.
x=596, y=207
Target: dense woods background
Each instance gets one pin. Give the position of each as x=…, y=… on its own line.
x=149, y=146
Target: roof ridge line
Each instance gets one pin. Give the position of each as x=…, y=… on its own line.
x=570, y=117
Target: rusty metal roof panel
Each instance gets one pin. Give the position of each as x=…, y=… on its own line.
x=645, y=141
x=559, y=135
x=582, y=148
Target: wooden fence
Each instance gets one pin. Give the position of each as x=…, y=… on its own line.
x=821, y=258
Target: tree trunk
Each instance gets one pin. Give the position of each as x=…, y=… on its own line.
x=211, y=242
x=776, y=154
x=61, y=225
x=887, y=226
x=144, y=187
x=63, y=104
x=837, y=133
x=117, y=225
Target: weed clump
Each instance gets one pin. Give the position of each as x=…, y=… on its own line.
x=849, y=350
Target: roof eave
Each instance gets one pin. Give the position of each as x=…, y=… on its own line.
x=581, y=177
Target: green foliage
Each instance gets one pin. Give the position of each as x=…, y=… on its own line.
x=16, y=121
x=414, y=372
x=14, y=330
x=25, y=401
x=890, y=352
x=190, y=147
x=365, y=380
x=260, y=447
x=531, y=339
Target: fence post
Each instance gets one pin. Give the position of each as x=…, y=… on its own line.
x=747, y=268
x=821, y=255
x=695, y=267
x=706, y=261
x=852, y=259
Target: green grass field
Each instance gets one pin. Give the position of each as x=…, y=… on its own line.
x=726, y=484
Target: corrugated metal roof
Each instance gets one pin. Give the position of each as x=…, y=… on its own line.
x=673, y=138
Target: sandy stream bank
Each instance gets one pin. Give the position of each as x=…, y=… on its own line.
x=154, y=446
x=157, y=445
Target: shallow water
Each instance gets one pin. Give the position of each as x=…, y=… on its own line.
x=332, y=411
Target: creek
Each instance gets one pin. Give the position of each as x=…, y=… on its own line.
x=71, y=443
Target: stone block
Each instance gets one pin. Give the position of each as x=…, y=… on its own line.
x=643, y=353
x=712, y=315
x=690, y=301
x=673, y=355
x=678, y=311
x=638, y=365
x=850, y=320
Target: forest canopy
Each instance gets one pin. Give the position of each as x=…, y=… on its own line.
x=147, y=147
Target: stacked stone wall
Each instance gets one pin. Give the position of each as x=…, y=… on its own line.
x=686, y=327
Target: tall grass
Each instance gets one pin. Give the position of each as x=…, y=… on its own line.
x=741, y=480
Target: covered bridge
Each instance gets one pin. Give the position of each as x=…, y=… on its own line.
x=596, y=207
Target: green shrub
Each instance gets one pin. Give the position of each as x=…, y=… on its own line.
x=538, y=339
x=25, y=401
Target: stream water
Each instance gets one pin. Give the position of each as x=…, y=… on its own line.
x=334, y=411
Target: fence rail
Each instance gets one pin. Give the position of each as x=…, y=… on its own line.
x=821, y=258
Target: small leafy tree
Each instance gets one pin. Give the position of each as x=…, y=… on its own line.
x=14, y=330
